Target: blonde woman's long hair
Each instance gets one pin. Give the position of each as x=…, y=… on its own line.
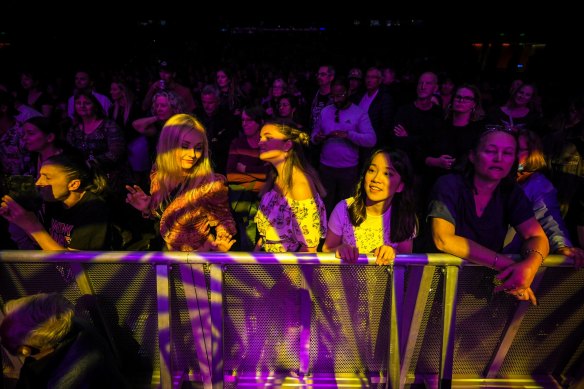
x=169, y=173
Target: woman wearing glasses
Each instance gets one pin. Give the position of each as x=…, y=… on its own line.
x=470, y=214
x=450, y=147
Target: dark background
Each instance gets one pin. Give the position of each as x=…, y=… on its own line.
x=107, y=35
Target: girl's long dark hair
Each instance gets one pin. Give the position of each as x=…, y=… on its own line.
x=403, y=223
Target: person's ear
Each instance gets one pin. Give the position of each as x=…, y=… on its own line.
x=74, y=185
x=288, y=145
x=400, y=187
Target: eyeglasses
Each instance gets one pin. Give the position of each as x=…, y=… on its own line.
x=466, y=99
x=490, y=128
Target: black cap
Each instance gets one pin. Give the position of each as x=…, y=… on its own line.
x=166, y=65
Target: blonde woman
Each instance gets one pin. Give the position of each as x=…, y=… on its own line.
x=291, y=216
x=187, y=196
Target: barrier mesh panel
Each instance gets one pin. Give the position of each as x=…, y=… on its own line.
x=261, y=318
x=350, y=319
x=183, y=354
x=552, y=331
x=430, y=333
x=481, y=318
x=24, y=279
x=127, y=296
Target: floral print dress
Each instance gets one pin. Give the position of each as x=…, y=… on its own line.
x=288, y=225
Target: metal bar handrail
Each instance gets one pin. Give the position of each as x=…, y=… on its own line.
x=238, y=257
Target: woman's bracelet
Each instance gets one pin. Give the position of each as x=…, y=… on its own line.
x=529, y=251
x=495, y=261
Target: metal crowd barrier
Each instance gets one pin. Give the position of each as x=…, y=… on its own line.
x=275, y=320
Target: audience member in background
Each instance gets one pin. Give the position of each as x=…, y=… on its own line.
x=288, y=109
x=41, y=137
x=292, y=216
x=470, y=214
x=220, y=125
x=246, y=174
x=446, y=92
x=99, y=139
x=168, y=83
x=355, y=89
x=270, y=102
x=519, y=111
x=187, y=196
x=378, y=104
x=33, y=95
x=451, y=144
x=543, y=197
x=342, y=129
x=59, y=349
x=84, y=83
x=229, y=95
x=380, y=218
x=244, y=166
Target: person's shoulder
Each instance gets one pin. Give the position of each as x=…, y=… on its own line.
x=216, y=181
x=303, y=188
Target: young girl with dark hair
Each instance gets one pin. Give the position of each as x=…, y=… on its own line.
x=380, y=217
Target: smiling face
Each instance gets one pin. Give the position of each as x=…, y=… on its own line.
x=495, y=156
x=190, y=149
x=381, y=180
x=524, y=95
x=34, y=139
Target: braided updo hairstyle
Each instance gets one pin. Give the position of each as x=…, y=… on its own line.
x=296, y=158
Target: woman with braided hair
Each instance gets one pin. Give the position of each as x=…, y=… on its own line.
x=291, y=216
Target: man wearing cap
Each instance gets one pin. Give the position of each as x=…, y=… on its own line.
x=356, y=89
x=167, y=73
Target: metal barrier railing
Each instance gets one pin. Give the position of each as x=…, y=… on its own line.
x=204, y=293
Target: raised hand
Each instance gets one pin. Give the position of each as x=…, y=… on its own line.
x=14, y=213
x=137, y=198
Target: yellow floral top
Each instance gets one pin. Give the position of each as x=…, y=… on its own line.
x=287, y=225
